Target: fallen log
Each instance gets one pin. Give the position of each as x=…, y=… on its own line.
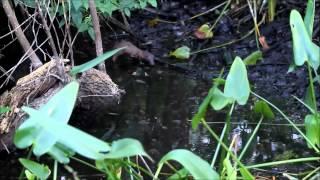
x=96, y=91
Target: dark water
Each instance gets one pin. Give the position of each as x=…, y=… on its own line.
x=157, y=110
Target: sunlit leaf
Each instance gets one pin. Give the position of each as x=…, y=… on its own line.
x=262, y=108
x=219, y=100
x=253, y=58
x=309, y=17
x=196, y=166
x=203, y=32
x=125, y=148
x=312, y=125
x=237, y=84
x=37, y=169
x=303, y=48
x=59, y=108
x=181, y=53
x=81, y=68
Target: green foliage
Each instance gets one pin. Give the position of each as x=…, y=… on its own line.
x=303, y=47
x=236, y=89
x=219, y=100
x=237, y=84
x=35, y=169
x=196, y=166
x=125, y=148
x=4, y=109
x=253, y=58
x=263, y=109
x=182, y=52
x=79, y=10
x=309, y=17
x=84, y=67
x=312, y=124
x=35, y=130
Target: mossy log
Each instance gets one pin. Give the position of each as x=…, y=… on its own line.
x=97, y=91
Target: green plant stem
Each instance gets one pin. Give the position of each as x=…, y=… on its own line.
x=225, y=128
x=87, y=164
x=220, y=15
x=222, y=144
x=311, y=173
x=55, y=170
x=218, y=146
x=287, y=118
x=314, y=101
x=283, y=162
x=225, y=135
x=140, y=168
x=250, y=139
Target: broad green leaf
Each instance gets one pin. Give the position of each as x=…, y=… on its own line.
x=204, y=32
x=4, y=109
x=61, y=153
x=61, y=105
x=125, y=148
x=237, y=84
x=303, y=48
x=253, y=58
x=37, y=169
x=24, y=137
x=202, y=110
x=309, y=17
x=59, y=108
x=83, y=67
x=153, y=3
x=312, y=125
x=181, y=53
x=78, y=141
x=231, y=172
x=196, y=166
x=262, y=108
x=219, y=100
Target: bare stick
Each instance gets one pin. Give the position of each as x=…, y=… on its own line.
x=47, y=30
x=96, y=27
x=35, y=61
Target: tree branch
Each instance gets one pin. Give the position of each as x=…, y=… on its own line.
x=35, y=61
x=96, y=27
